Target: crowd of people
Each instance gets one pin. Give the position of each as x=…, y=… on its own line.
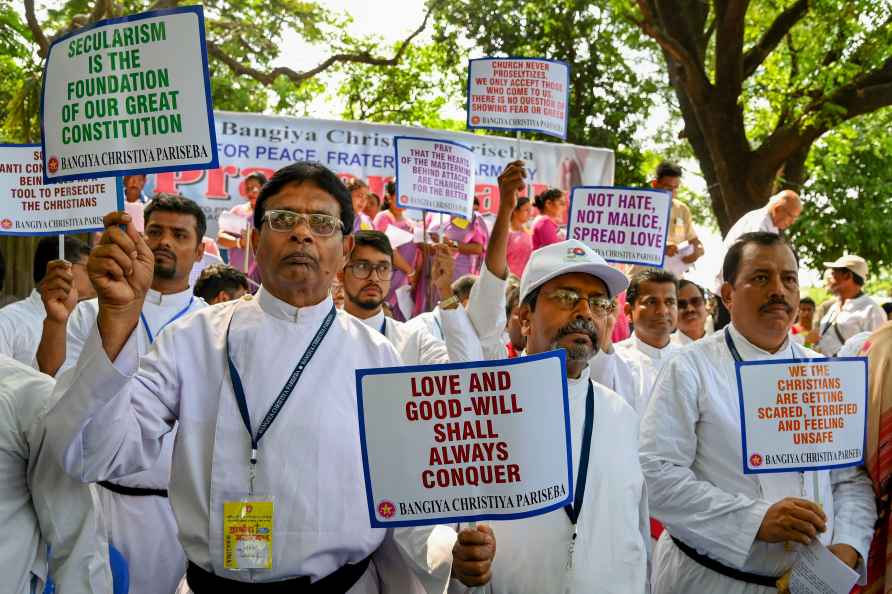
x=146, y=384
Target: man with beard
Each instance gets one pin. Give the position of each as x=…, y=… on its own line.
x=651, y=303
x=599, y=544
x=727, y=531
x=691, y=313
x=136, y=506
x=366, y=282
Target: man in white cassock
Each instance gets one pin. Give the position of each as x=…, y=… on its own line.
x=366, y=281
x=266, y=475
x=600, y=543
x=42, y=510
x=727, y=531
x=136, y=506
x=651, y=304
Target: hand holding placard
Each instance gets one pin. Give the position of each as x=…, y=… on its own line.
x=792, y=519
x=473, y=554
x=58, y=292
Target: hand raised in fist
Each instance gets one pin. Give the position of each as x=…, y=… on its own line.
x=511, y=182
x=58, y=291
x=121, y=266
x=473, y=554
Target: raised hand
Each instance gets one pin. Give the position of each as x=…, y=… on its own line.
x=58, y=291
x=121, y=266
x=511, y=182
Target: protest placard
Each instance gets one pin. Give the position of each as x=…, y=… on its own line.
x=435, y=175
x=523, y=94
x=465, y=441
x=29, y=207
x=627, y=225
x=799, y=415
x=128, y=95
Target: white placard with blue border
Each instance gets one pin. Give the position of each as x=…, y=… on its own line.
x=30, y=207
x=462, y=442
x=519, y=94
x=434, y=175
x=129, y=95
x=624, y=225
x=802, y=414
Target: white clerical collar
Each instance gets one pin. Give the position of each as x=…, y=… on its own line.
x=750, y=351
x=169, y=300
x=281, y=310
x=651, y=351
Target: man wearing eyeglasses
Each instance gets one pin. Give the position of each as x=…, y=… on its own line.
x=691, y=313
x=366, y=280
x=265, y=480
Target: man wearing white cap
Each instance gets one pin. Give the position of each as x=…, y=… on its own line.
x=852, y=312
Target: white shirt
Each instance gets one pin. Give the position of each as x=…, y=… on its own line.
x=679, y=338
x=854, y=345
x=691, y=457
x=112, y=419
x=754, y=220
x=21, y=326
x=611, y=371
x=645, y=362
x=416, y=345
x=39, y=504
x=486, y=308
x=859, y=314
x=136, y=210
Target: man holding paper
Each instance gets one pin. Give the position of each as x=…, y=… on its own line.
x=726, y=530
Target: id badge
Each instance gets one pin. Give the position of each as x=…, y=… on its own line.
x=248, y=533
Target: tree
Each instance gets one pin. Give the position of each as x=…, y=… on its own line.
x=758, y=82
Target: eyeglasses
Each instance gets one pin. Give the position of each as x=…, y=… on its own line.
x=694, y=302
x=284, y=221
x=569, y=299
x=363, y=270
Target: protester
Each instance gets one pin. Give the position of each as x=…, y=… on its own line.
x=135, y=200
x=433, y=320
x=405, y=257
x=219, y=283
x=691, y=313
x=366, y=281
x=118, y=407
x=652, y=305
x=468, y=238
x=372, y=206
x=681, y=224
x=725, y=530
x=238, y=244
x=40, y=506
x=806, y=318
x=516, y=341
x=21, y=323
x=520, y=242
x=359, y=194
x=548, y=226
x=852, y=312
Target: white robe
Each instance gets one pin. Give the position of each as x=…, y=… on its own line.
x=645, y=362
x=39, y=504
x=112, y=419
x=21, y=326
x=611, y=371
x=416, y=345
x=692, y=460
x=486, y=309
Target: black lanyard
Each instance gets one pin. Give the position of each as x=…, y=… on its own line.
x=287, y=389
x=582, y=472
x=736, y=354
x=177, y=316
x=384, y=326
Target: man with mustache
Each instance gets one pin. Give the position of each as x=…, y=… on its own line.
x=136, y=506
x=651, y=303
x=726, y=531
x=691, y=313
x=266, y=474
x=366, y=280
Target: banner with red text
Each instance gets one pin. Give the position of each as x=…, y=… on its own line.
x=802, y=414
x=30, y=207
x=253, y=142
x=460, y=442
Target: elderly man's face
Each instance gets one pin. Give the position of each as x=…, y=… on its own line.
x=691, y=311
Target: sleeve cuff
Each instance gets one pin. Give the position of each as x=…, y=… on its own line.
x=745, y=536
x=859, y=544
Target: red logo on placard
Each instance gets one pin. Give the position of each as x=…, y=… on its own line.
x=249, y=508
x=53, y=164
x=404, y=199
x=475, y=120
x=386, y=509
x=756, y=460
x=6, y=224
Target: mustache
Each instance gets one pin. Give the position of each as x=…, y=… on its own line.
x=166, y=252
x=579, y=327
x=776, y=301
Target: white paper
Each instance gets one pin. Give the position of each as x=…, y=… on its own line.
x=398, y=237
x=675, y=264
x=818, y=571
x=404, y=300
x=232, y=223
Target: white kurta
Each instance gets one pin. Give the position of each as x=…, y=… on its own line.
x=861, y=314
x=486, y=308
x=681, y=339
x=691, y=457
x=416, y=345
x=611, y=371
x=21, y=326
x=137, y=524
x=645, y=362
x=39, y=504
x=112, y=419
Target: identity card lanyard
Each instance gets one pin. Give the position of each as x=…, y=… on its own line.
x=581, y=474
x=176, y=317
x=287, y=389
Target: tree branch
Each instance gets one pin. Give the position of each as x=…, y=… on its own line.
x=39, y=38
x=785, y=21
x=730, y=19
x=364, y=57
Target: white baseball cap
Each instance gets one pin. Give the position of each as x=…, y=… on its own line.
x=565, y=257
x=856, y=264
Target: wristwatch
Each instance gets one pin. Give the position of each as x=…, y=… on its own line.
x=450, y=303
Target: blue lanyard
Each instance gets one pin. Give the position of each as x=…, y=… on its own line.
x=287, y=389
x=177, y=316
x=582, y=472
x=736, y=354
x=384, y=326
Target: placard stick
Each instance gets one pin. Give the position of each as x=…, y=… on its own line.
x=61, y=246
x=815, y=486
x=247, y=248
x=428, y=268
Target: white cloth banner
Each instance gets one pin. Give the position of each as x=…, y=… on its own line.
x=30, y=207
x=523, y=94
x=129, y=95
x=435, y=175
x=465, y=441
x=799, y=415
x=625, y=225
x=253, y=142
